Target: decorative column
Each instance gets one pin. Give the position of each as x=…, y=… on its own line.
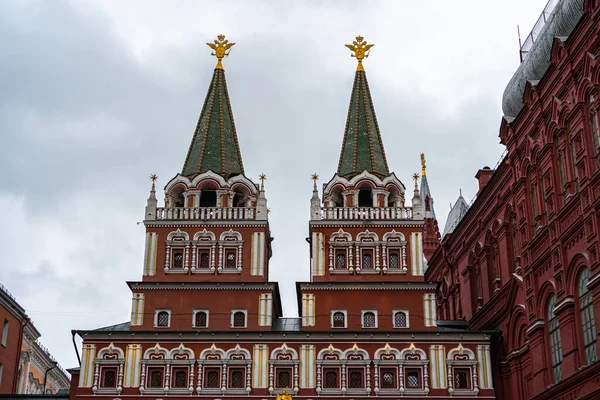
x=376, y=377
x=296, y=377
x=224, y=378
x=120, y=378
x=319, y=378
x=377, y=257
x=343, y=378
x=186, y=265
x=143, y=377
x=194, y=264
x=385, y=256
x=167, y=254
x=191, y=383
x=200, y=377
x=368, y=377
x=167, y=376
x=404, y=267
x=330, y=257
x=96, y=373
x=350, y=258
x=249, y=376
x=239, y=254
x=271, y=378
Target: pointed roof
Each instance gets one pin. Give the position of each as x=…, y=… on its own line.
x=215, y=144
x=457, y=212
x=362, y=148
x=427, y=198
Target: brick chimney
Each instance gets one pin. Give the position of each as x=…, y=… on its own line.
x=483, y=176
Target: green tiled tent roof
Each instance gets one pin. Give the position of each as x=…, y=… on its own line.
x=362, y=148
x=215, y=145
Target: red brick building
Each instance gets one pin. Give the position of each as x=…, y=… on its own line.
x=207, y=322
x=524, y=258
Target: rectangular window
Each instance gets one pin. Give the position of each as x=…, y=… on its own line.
x=388, y=378
x=238, y=318
x=177, y=259
x=230, y=258
x=533, y=194
x=236, y=378
x=179, y=378
x=574, y=161
x=355, y=380
x=338, y=319
x=413, y=379
x=212, y=378
x=367, y=259
x=462, y=378
x=108, y=378
x=5, y=333
x=284, y=378
x=595, y=127
x=204, y=256
x=340, y=259
x=155, y=378
x=1, y=370
x=394, y=259
x=330, y=380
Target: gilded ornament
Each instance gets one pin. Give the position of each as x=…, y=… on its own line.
x=423, y=167
x=360, y=50
x=221, y=47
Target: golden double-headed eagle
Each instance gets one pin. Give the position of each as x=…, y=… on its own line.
x=284, y=395
x=360, y=50
x=221, y=47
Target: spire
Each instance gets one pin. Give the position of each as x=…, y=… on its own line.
x=315, y=201
x=151, y=203
x=456, y=214
x=215, y=145
x=417, y=205
x=425, y=193
x=261, y=203
x=362, y=148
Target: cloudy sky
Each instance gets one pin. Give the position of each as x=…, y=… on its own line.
x=97, y=95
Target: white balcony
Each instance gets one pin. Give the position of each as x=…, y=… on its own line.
x=205, y=213
x=366, y=213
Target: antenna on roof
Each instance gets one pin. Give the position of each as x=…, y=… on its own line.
x=460, y=191
x=520, y=45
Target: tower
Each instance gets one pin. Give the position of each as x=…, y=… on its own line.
x=431, y=231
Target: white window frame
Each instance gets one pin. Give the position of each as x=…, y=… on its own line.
x=345, y=312
x=394, y=319
x=5, y=327
x=159, y=310
x=196, y=311
x=362, y=319
x=243, y=310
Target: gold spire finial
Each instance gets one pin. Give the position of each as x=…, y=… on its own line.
x=423, y=167
x=221, y=48
x=360, y=50
x=262, y=178
x=314, y=177
x=153, y=178
x=415, y=177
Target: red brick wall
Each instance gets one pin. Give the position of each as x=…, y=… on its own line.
x=9, y=354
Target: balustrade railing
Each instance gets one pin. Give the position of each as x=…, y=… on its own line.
x=366, y=213
x=205, y=213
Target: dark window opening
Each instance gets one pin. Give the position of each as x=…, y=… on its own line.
x=236, y=379
x=399, y=320
x=201, y=319
x=331, y=380
x=180, y=379
x=156, y=379
x=283, y=379
x=369, y=320
x=340, y=260
x=365, y=198
x=230, y=262
x=388, y=380
x=394, y=260
x=239, y=319
x=208, y=198
x=367, y=260
x=212, y=379
x=204, y=259
x=339, y=320
x=162, y=319
x=110, y=379
x=461, y=380
x=178, y=259
x=356, y=380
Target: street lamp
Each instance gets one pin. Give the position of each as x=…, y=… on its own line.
x=46, y=373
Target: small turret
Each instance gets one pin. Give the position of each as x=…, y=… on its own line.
x=431, y=231
x=315, y=201
x=151, y=203
x=417, y=204
x=261, y=202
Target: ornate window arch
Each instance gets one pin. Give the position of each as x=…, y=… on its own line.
x=393, y=251
x=367, y=253
x=343, y=372
x=592, y=104
x=153, y=377
x=554, y=338
x=414, y=378
x=283, y=370
x=231, y=245
x=108, y=371
x=204, y=249
x=387, y=370
x=221, y=372
x=588, y=320
x=462, y=372
x=329, y=372
x=340, y=253
x=180, y=370
x=177, y=254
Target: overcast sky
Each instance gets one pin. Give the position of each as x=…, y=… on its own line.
x=97, y=95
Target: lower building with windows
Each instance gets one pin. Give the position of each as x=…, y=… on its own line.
x=26, y=366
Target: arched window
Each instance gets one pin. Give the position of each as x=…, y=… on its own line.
x=515, y=240
x=208, y=198
x=400, y=320
x=560, y=155
x=162, y=319
x=555, y=342
x=588, y=322
x=339, y=319
x=239, y=319
x=593, y=113
x=201, y=319
x=533, y=196
x=369, y=320
x=365, y=198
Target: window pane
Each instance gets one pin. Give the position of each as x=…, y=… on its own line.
x=461, y=380
x=177, y=259
x=156, y=379
x=230, y=259
x=204, y=260
x=339, y=320
x=283, y=379
x=394, y=260
x=367, y=260
x=356, y=380
x=239, y=319
x=212, y=379
x=340, y=261
x=369, y=320
x=162, y=319
x=110, y=379
x=388, y=380
x=413, y=380
x=400, y=320
x=331, y=380
x=180, y=379
x=237, y=379
x=201, y=319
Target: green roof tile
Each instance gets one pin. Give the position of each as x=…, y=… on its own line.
x=362, y=148
x=215, y=145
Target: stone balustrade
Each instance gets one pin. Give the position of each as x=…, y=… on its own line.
x=205, y=213
x=366, y=213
